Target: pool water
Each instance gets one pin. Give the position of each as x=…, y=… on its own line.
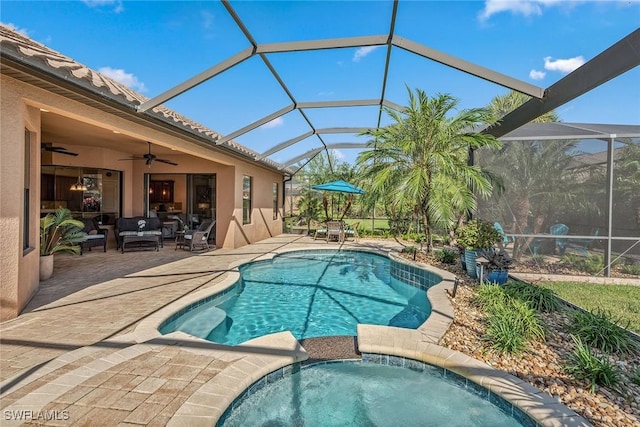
x=311, y=294
x=355, y=394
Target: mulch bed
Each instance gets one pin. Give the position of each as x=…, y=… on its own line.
x=542, y=364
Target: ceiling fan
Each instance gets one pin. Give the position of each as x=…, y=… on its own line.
x=47, y=146
x=150, y=158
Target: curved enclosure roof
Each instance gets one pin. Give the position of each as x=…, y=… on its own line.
x=280, y=98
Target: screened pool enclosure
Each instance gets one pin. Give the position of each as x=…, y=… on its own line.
x=583, y=176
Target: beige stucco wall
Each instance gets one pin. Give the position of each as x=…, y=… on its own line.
x=20, y=108
x=17, y=265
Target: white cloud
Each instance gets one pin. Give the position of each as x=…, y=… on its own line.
x=22, y=31
x=338, y=154
x=207, y=19
x=517, y=7
x=326, y=94
x=362, y=52
x=278, y=121
x=117, y=4
x=563, y=65
x=537, y=75
x=121, y=76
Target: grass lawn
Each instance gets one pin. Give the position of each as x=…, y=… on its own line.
x=621, y=301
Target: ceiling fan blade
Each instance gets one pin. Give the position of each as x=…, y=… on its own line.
x=47, y=146
x=133, y=158
x=67, y=153
x=169, y=162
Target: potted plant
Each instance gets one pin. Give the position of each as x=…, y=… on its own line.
x=473, y=236
x=496, y=267
x=59, y=232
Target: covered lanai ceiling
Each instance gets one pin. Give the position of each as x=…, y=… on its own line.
x=311, y=134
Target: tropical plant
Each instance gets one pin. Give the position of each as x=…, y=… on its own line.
x=420, y=162
x=531, y=172
x=636, y=376
x=511, y=325
x=59, y=232
x=496, y=260
x=539, y=298
x=627, y=176
x=593, y=264
x=446, y=256
x=584, y=365
x=600, y=330
x=309, y=208
x=477, y=234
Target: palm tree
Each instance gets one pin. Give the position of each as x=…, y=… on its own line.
x=536, y=176
x=420, y=163
x=628, y=180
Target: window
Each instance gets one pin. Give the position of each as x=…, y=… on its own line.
x=275, y=200
x=246, y=199
x=99, y=198
x=26, y=210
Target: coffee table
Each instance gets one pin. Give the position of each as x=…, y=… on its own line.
x=142, y=239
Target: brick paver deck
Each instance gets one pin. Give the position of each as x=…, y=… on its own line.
x=77, y=355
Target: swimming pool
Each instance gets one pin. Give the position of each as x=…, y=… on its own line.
x=310, y=293
x=367, y=394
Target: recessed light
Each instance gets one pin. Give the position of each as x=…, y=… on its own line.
x=44, y=111
x=115, y=131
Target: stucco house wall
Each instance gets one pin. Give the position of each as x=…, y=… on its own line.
x=21, y=106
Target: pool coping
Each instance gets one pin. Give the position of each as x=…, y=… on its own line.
x=205, y=405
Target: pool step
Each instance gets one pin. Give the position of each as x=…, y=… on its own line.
x=202, y=323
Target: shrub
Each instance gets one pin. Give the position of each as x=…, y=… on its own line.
x=636, y=376
x=446, y=256
x=539, y=298
x=630, y=268
x=583, y=365
x=511, y=325
x=600, y=330
x=593, y=264
x=490, y=295
x=477, y=234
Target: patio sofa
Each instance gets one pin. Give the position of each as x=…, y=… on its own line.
x=140, y=231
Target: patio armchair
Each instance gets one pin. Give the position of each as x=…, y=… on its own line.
x=335, y=229
x=320, y=230
x=582, y=245
x=560, y=243
x=199, y=237
x=352, y=231
x=96, y=236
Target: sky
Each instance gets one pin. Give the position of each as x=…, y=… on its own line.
x=152, y=46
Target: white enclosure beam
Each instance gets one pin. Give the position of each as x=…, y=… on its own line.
x=299, y=46
x=256, y=124
x=346, y=103
x=469, y=67
x=284, y=145
x=196, y=80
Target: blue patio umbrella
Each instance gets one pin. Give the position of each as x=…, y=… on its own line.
x=340, y=187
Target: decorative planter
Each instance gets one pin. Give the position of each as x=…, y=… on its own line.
x=462, y=261
x=46, y=267
x=497, y=276
x=470, y=256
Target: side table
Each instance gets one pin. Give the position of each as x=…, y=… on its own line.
x=179, y=239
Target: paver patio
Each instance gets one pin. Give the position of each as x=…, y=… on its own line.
x=74, y=357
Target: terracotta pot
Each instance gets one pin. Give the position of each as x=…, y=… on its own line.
x=46, y=267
